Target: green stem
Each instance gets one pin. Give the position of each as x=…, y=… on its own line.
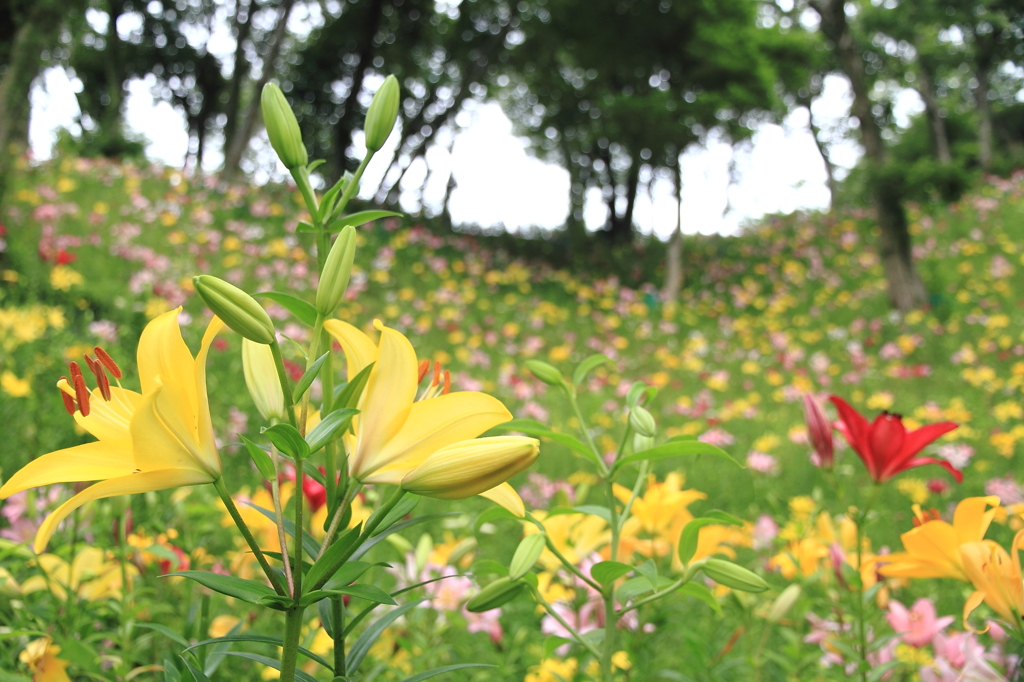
x=640, y=479
x=286, y=385
x=326, y=405
x=204, y=626
x=862, y=640
x=350, y=494
x=247, y=534
x=570, y=629
x=653, y=597
x=610, y=621
x=338, y=615
x=297, y=497
x=302, y=181
x=311, y=357
x=275, y=493
x=603, y=469
x=292, y=632
x=350, y=189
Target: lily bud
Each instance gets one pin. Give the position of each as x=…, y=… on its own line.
x=237, y=309
x=819, y=432
x=471, y=467
x=262, y=380
x=337, y=270
x=783, y=603
x=282, y=127
x=642, y=421
x=499, y=592
x=545, y=372
x=734, y=576
x=526, y=555
x=380, y=117
x=642, y=443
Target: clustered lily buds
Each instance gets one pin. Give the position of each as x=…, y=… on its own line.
x=337, y=271
x=237, y=309
x=380, y=117
x=282, y=127
x=262, y=380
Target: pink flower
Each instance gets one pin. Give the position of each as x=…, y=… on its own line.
x=718, y=437
x=763, y=463
x=917, y=626
x=485, y=622
x=765, y=530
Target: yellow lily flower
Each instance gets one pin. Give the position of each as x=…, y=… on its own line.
x=996, y=577
x=394, y=434
x=157, y=439
x=41, y=658
x=90, y=575
x=933, y=548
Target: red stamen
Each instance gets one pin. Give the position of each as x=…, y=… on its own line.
x=81, y=390
x=424, y=366
x=69, y=402
x=447, y=383
x=108, y=362
x=103, y=382
x=90, y=363
x=437, y=374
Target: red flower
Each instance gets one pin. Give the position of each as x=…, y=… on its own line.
x=886, y=446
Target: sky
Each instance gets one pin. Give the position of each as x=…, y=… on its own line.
x=498, y=181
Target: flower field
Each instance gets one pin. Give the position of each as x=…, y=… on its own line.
x=92, y=252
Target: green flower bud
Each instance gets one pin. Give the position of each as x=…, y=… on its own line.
x=526, y=555
x=237, y=309
x=734, y=576
x=380, y=117
x=783, y=603
x=501, y=591
x=545, y=372
x=261, y=379
x=642, y=421
x=337, y=270
x=642, y=443
x=282, y=128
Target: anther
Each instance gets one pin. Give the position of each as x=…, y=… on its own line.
x=108, y=362
x=437, y=374
x=81, y=390
x=69, y=402
x=424, y=366
x=447, y=383
x=101, y=377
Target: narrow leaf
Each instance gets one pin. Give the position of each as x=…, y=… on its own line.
x=589, y=365
x=434, y=672
x=329, y=428
x=366, y=640
x=307, y=377
x=197, y=674
x=395, y=528
x=288, y=440
x=331, y=556
x=702, y=593
x=676, y=449
x=367, y=592
x=267, y=661
x=400, y=510
x=608, y=572
x=304, y=312
x=260, y=458
x=349, y=395
x=360, y=218
x=308, y=543
x=246, y=590
x=690, y=536
x=533, y=428
x=165, y=631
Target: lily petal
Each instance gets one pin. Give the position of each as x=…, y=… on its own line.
x=506, y=496
x=89, y=462
x=162, y=355
x=110, y=420
x=204, y=427
x=973, y=602
x=162, y=440
x=359, y=349
x=971, y=520
x=131, y=484
x=436, y=423
x=386, y=402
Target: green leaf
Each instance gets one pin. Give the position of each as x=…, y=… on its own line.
x=676, y=449
x=197, y=674
x=288, y=440
x=329, y=428
x=314, y=164
x=638, y=392
x=636, y=587
x=702, y=593
x=589, y=365
x=690, y=536
x=263, y=640
x=608, y=572
x=367, y=592
x=552, y=643
x=366, y=546
x=349, y=572
x=165, y=631
x=333, y=554
x=370, y=635
x=492, y=514
x=488, y=567
x=349, y=395
x=400, y=510
x=360, y=218
x=325, y=610
x=246, y=590
x=171, y=673
x=307, y=377
x=304, y=312
x=273, y=663
x=722, y=517
x=649, y=570
x=434, y=672
x=594, y=510
x=534, y=428
x=260, y=458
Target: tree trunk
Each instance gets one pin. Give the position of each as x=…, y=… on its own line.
x=621, y=226
x=233, y=107
x=347, y=123
x=674, y=254
x=937, y=125
x=110, y=124
x=830, y=169
x=237, y=148
x=906, y=290
x=984, y=118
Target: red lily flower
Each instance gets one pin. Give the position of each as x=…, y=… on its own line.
x=885, y=445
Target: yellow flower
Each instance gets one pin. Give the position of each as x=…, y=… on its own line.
x=90, y=575
x=222, y=625
x=62, y=277
x=394, y=437
x=996, y=578
x=801, y=557
x=553, y=670
x=933, y=548
x=575, y=536
x=41, y=658
x=13, y=386
x=157, y=439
